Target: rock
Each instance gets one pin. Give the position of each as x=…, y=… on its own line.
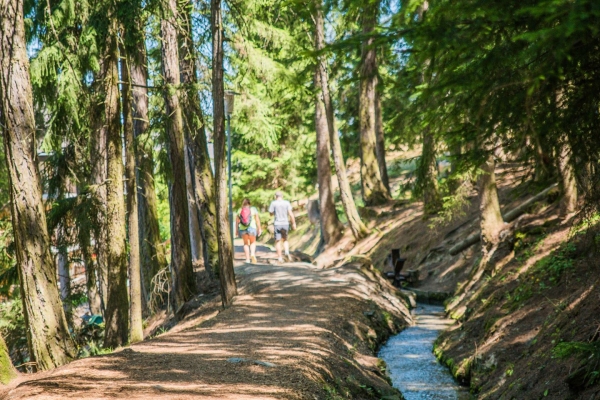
x=369, y=313
x=410, y=297
x=264, y=363
x=236, y=360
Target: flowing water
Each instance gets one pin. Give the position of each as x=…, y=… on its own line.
x=411, y=364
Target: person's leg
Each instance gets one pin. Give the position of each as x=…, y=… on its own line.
x=286, y=244
x=278, y=249
x=278, y=239
x=246, y=239
x=253, y=248
x=286, y=248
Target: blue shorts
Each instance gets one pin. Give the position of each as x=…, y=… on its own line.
x=250, y=231
x=281, y=232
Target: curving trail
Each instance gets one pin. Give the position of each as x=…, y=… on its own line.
x=292, y=331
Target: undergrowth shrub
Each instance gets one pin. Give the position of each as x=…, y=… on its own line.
x=588, y=371
x=12, y=328
x=545, y=274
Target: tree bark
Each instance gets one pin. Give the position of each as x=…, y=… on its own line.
x=226, y=273
x=359, y=230
x=136, y=331
x=331, y=227
x=202, y=174
x=568, y=184
x=91, y=282
x=380, y=138
x=427, y=167
x=50, y=343
x=98, y=181
x=193, y=211
x=427, y=175
x=507, y=217
x=184, y=285
x=491, y=221
x=7, y=370
x=374, y=191
x=117, y=302
x=152, y=251
x=64, y=277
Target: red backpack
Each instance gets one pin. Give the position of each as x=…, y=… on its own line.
x=245, y=216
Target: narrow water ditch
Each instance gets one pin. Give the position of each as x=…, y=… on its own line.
x=411, y=364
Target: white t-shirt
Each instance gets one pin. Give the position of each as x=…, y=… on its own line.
x=280, y=209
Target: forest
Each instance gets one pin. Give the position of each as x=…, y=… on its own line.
x=463, y=134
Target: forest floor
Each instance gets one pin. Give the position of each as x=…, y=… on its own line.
x=293, y=332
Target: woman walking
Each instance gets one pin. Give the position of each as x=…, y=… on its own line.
x=248, y=228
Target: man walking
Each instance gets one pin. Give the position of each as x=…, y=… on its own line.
x=282, y=210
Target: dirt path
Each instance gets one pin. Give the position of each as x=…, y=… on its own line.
x=294, y=332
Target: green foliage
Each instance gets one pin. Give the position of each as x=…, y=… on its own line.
x=588, y=353
x=545, y=273
x=90, y=337
x=13, y=330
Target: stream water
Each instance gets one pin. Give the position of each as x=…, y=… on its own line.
x=411, y=364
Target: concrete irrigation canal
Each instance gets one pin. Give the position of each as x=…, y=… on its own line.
x=411, y=364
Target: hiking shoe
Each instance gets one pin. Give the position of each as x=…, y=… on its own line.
x=247, y=261
x=253, y=258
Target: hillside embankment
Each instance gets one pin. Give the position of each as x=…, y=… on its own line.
x=294, y=332
x=527, y=312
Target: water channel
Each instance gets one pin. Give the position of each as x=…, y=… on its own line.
x=411, y=364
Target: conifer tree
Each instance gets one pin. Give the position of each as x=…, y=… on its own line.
x=152, y=252
x=196, y=142
x=226, y=274
x=331, y=227
x=48, y=337
x=359, y=230
x=184, y=284
x=117, y=299
x=135, y=280
x=374, y=191
x=380, y=137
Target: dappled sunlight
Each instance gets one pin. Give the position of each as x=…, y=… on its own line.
x=294, y=317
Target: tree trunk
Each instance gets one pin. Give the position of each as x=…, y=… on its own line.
x=50, y=343
x=427, y=167
x=374, y=191
x=152, y=252
x=380, y=138
x=331, y=227
x=491, y=221
x=427, y=174
x=568, y=185
x=193, y=211
x=226, y=273
x=359, y=230
x=98, y=180
x=184, y=285
x=117, y=302
x=543, y=160
x=91, y=282
x=509, y=216
x=7, y=370
x=64, y=277
x=136, y=331
x=202, y=174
